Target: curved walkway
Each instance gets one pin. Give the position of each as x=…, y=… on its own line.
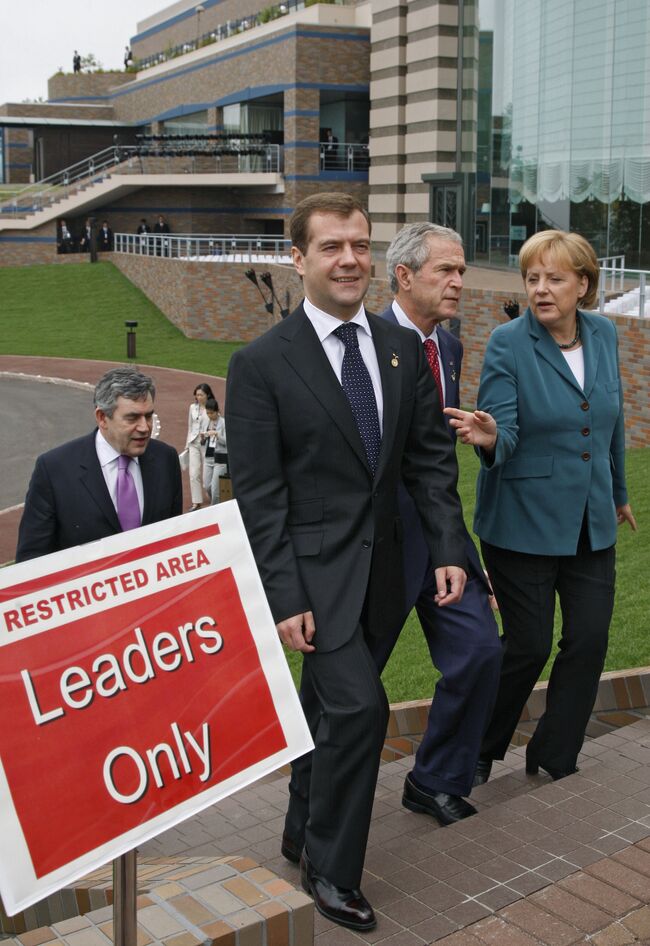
x=51, y=409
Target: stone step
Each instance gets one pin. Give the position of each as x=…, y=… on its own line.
x=183, y=901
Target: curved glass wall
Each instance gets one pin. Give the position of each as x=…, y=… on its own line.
x=563, y=134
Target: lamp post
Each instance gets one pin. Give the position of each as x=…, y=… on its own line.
x=130, y=338
x=199, y=9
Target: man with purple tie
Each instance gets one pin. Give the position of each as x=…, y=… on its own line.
x=425, y=265
x=113, y=479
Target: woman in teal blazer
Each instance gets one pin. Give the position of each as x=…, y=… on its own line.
x=550, y=493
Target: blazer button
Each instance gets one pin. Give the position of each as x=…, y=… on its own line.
x=366, y=544
x=586, y=456
x=585, y=431
x=584, y=406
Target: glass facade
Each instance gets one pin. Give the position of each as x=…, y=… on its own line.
x=563, y=134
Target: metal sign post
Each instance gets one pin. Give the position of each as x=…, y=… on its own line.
x=125, y=883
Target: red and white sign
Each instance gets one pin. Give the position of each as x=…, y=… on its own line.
x=141, y=680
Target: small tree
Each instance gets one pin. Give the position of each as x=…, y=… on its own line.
x=90, y=62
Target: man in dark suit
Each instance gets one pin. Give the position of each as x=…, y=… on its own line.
x=160, y=228
x=105, y=237
x=425, y=265
x=325, y=412
x=110, y=480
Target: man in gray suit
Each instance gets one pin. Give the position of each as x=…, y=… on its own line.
x=326, y=412
x=73, y=495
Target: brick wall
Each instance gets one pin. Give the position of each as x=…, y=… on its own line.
x=84, y=85
x=279, y=58
x=208, y=300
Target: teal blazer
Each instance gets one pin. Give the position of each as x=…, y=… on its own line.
x=560, y=450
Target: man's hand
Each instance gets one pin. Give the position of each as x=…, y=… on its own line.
x=450, y=581
x=297, y=632
x=474, y=427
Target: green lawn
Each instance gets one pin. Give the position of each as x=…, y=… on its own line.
x=78, y=311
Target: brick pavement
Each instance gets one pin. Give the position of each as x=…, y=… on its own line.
x=542, y=862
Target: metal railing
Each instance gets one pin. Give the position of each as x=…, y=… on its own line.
x=612, y=270
x=344, y=156
x=634, y=301
x=205, y=154
x=44, y=193
x=213, y=247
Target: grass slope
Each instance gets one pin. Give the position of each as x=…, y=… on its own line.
x=78, y=311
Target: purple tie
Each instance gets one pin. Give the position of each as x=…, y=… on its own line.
x=128, y=507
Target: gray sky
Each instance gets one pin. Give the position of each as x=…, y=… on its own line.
x=38, y=36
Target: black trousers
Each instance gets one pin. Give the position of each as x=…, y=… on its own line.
x=525, y=587
x=332, y=789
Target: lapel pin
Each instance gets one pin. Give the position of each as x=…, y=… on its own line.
x=394, y=360
x=453, y=370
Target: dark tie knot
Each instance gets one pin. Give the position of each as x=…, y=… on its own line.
x=348, y=334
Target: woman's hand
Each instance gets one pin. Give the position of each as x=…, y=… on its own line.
x=474, y=427
x=624, y=514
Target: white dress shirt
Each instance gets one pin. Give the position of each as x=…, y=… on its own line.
x=405, y=322
x=324, y=324
x=108, y=457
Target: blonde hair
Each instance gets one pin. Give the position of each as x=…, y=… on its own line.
x=568, y=249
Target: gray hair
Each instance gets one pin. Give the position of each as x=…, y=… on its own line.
x=411, y=247
x=122, y=382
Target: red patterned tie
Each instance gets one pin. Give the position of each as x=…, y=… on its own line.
x=431, y=351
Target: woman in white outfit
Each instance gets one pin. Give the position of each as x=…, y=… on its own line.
x=196, y=424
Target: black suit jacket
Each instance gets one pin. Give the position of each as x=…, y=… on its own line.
x=68, y=502
x=326, y=535
x=416, y=559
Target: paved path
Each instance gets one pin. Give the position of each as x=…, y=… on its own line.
x=46, y=401
x=541, y=863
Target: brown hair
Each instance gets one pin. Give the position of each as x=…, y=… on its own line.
x=570, y=250
x=329, y=202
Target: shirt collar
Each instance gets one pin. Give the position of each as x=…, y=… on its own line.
x=105, y=452
x=405, y=322
x=324, y=323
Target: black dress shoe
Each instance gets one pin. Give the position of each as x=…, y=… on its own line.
x=447, y=809
x=339, y=904
x=482, y=771
x=533, y=767
x=290, y=849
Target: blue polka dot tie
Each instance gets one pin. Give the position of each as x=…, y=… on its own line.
x=357, y=384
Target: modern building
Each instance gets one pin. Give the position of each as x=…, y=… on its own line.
x=233, y=111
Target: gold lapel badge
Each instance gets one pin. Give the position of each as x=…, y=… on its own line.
x=394, y=360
